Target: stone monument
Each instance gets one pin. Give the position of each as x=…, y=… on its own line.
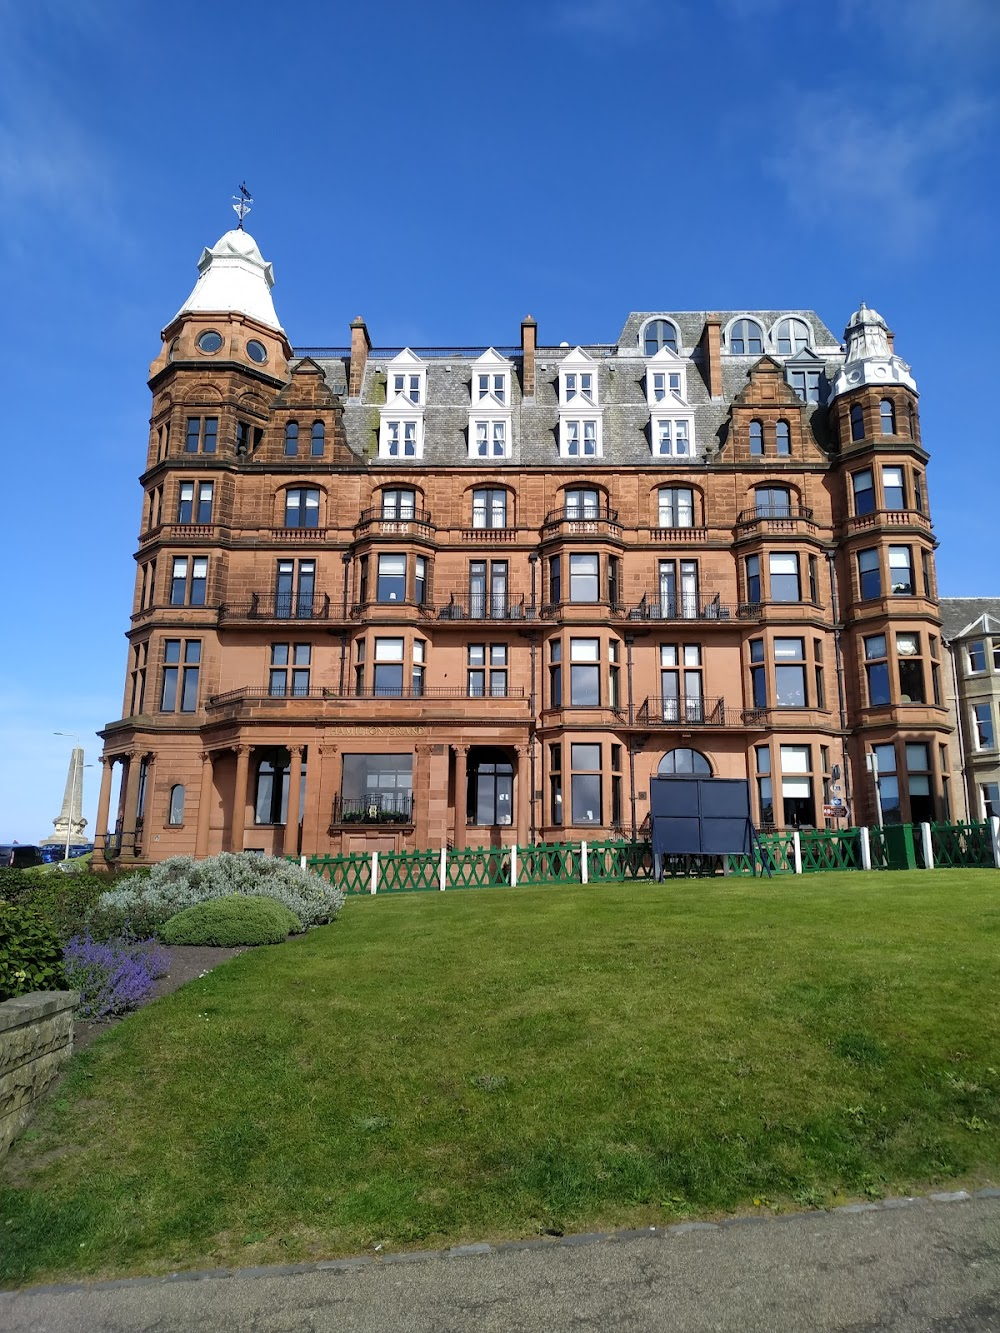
x=69, y=824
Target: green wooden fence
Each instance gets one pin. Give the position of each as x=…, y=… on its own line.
x=613, y=860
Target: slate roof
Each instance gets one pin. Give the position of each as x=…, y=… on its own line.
x=534, y=422
x=961, y=614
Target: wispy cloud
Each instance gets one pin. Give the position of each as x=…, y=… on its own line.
x=617, y=20
x=49, y=164
x=880, y=173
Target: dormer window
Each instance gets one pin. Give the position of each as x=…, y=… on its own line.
x=664, y=381
x=673, y=439
x=408, y=387
x=790, y=336
x=671, y=417
x=490, y=413
x=659, y=333
x=746, y=338
x=401, y=433
x=580, y=423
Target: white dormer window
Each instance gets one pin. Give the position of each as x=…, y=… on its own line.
x=580, y=416
x=490, y=411
x=401, y=432
x=664, y=382
x=672, y=437
x=666, y=379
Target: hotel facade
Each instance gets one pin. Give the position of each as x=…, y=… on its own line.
x=397, y=597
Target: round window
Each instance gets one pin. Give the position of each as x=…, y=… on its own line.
x=209, y=341
x=256, y=351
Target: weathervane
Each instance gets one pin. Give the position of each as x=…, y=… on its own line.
x=241, y=203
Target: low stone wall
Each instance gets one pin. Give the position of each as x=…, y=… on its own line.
x=36, y=1040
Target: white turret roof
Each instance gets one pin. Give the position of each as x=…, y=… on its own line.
x=869, y=358
x=234, y=276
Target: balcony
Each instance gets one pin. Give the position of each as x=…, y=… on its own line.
x=681, y=714
x=180, y=533
x=265, y=607
x=388, y=807
x=570, y=521
x=328, y=700
x=484, y=606
x=888, y=518
x=407, y=523
x=776, y=520
x=688, y=606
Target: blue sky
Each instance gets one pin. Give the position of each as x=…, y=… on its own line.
x=444, y=169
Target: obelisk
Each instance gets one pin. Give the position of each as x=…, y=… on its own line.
x=70, y=822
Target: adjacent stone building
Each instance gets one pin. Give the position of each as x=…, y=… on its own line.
x=399, y=597
x=971, y=629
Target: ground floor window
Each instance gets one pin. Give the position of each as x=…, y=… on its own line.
x=585, y=783
x=377, y=787
x=490, y=792
x=991, y=799
x=271, y=798
x=684, y=763
x=797, y=798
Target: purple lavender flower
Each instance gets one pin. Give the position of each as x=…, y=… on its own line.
x=114, y=975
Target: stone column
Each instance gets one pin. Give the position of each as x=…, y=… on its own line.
x=238, y=822
x=204, y=805
x=421, y=797
x=461, y=793
x=523, y=795
x=290, y=840
x=131, y=798
x=311, y=815
x=104, y=801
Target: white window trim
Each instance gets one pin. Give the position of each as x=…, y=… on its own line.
x=765, y=337
x=772, y=334
x=581, y=409
x=666, y=363
x=490, y=408
x=399, y=407
x=582, y=420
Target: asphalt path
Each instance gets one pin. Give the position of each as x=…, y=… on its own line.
x=928, y=1265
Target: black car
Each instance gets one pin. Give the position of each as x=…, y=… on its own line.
x=20, y=856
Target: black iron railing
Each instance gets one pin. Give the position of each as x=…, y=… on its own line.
x=659, y=711
x=283, y=606
x=788, y=511
x=689, y=606
x=385, y=807
x=484, y=606
x=581, y=514
x=379, y=514
x=327, y=693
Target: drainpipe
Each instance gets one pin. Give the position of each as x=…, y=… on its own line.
x=967, y=801
x=346, y=558
x=841, y=698
x=629, y=641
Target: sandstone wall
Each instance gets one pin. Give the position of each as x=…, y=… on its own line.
x=36, y=1040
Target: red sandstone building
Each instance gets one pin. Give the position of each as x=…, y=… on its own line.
x=407, y=597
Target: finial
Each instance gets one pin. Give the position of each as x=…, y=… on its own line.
x=241, y=204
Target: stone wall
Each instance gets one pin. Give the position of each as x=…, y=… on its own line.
x=36, y=1040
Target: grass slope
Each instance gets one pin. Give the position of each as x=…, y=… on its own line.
x=445, y=1066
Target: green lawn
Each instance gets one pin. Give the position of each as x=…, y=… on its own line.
x=440, y=1067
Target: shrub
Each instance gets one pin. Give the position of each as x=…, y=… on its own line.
x=30, y=952
x=228, y=922
x=67, y=900
x=13, y=884
x=183, y=882
x=112, y=976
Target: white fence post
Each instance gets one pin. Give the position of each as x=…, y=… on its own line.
x=866, y=849
x=584, y=866
x=925, y=838
x=304, y=862
x=797, y=851
x=995, y=839
x=374, y=881
x=443, y=869
x=513, y=866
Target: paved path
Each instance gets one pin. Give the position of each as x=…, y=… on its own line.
x=932, y=1267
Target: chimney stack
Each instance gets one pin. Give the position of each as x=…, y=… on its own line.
x=711, y=352
x=361, y=345
x=529, y=341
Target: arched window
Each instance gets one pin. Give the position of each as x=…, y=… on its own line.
x=791, y=336
x=746, y=338
x=756, y=437
x=271, y=800
x=887, y=416
x=857, y=422
x=175, y=811
x=317, y=439
x=684, y=764
x=659, y=333
x=782, y=439
x=291, y=439
x=772, y=502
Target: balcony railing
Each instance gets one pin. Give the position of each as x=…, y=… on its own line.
x=688, y=606
x=283, y=606
x=484, y=606
x=387, y=807
x=789, y=512
x=389, y=522
x=892, y=518
x=657, y=711
x=331, y=694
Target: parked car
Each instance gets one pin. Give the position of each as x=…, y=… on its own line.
x=20, y=856
x=57, y=851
